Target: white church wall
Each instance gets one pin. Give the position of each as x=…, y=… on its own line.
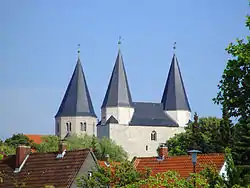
x=122, y=114
x=182, y=117
x=61, y=123
x=136, y=140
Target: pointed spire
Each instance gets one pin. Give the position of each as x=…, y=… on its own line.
x=77, y=100
x=118, y=93
x=174, y=95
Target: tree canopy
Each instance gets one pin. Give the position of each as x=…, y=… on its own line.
x=204, y=134
x=101, y=147
x=234, y=97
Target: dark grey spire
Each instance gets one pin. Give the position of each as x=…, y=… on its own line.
x=118, y=93
x=77, y=101
x=174, y=95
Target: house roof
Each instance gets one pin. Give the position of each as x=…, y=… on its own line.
x=174, y=95
x=150, y=114
x=36, y=138
x=111, y=165
x=182, y=164
x=77, y=100
x=43, y=169
x=118, y=93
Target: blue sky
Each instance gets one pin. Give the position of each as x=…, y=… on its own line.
x=38, y=42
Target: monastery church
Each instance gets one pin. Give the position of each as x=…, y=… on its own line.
x=139, y=127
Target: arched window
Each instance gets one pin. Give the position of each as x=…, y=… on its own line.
x=83, y=126
x=154, y=136
x=68, y=126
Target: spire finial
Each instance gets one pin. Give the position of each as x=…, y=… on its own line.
x=78, y=50
x=119, y=42
x=174, y=47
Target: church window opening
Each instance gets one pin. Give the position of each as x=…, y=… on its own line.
x=83, y=126
x=153, y=136
x=68, y=126
x=146, y=148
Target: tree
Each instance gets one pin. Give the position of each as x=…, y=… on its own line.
x=18, y=139
x=171, y=179
x=117, y=175
x=100, y=147
x=234, y=92
x=202, y=134
x=49, y=144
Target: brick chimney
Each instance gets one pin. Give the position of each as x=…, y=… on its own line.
x=62, y=147
x=163, y=151
x=21, y=153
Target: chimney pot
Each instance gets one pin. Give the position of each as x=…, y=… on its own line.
x=21, y=152
x=62, y=147
x=163, y=151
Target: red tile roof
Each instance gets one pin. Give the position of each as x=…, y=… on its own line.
x=182, y=164
x=43, y=168
x=111, y=165
x=37, y=138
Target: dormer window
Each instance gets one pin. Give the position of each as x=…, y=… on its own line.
x=153, y=136
x=68, y=126
x=83, y=126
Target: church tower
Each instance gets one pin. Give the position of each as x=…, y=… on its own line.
x=117, y=103
x=76, y=113
x=174, y=99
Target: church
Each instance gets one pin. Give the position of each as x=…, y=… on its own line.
x=139, y=127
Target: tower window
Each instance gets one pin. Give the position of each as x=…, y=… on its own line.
x=146, y=148
x=68, y=126
x=83, y=126
x=154, y=136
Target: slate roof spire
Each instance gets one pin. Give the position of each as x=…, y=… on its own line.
x=118, y=93
x=77, y=100
x=174, y=95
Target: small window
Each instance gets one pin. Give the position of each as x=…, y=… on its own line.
x=83, y=126
x=89, y=174
x=68, y=126
x=153, y=136
x=146, y=148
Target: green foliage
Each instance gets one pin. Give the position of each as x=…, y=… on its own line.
x=233, y=95
x=108, y=146
x=100, y=147
x=8, y=150
x=18, y=139
x=49, y=144
x=117, y=175
x=171, y=179
x=203, y=134
x=234, y=87
x=213, y=178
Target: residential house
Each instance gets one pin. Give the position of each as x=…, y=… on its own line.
x=59, y=169
x=181, y=164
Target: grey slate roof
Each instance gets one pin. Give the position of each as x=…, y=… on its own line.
x=77, y=101
x=112, y=119
x=151, y=114
x=118, y=93
x=174, y=95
